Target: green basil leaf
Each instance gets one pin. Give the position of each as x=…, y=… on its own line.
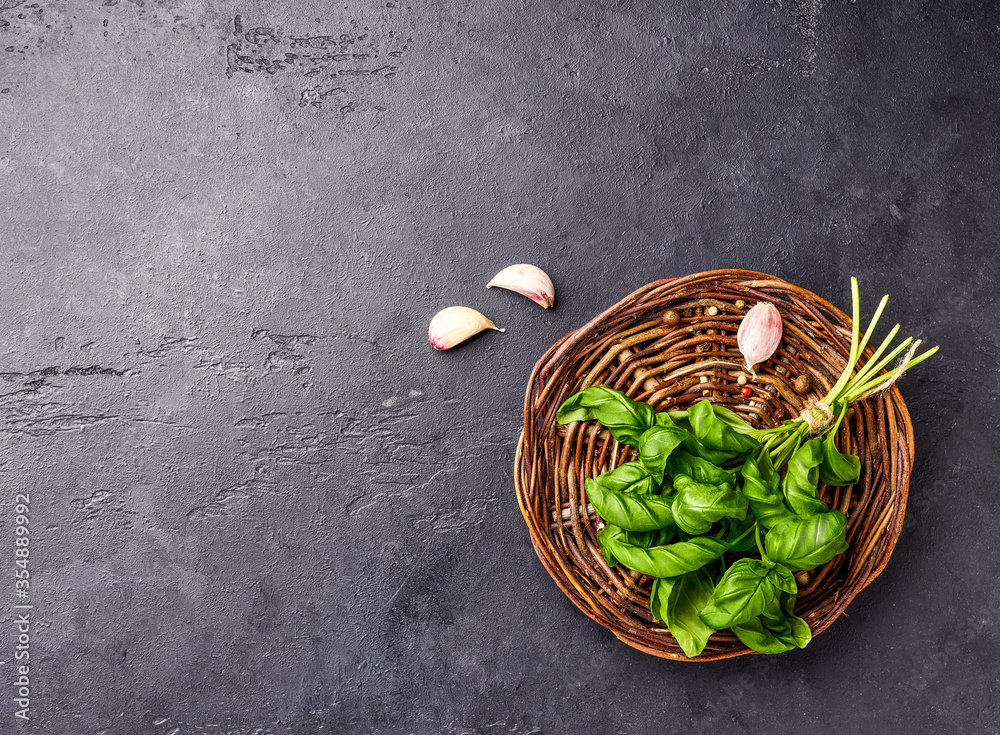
x=681, y=462
x=606, y=539
x=715, y=434
x=654, y=598
x=671, y=560
x=742, y=594
x=735, y=422
x=656, y=445
x=720, y=429
x=775, y=620
x=837, y=468
x=802, y=543
x=757, y=637
x=646, y=539
x=762, y=485
x=624, y=418
x=694, y=447
x=783, y=579
x=801, y=633
x=802, y=478
x=697, y=505
x=760, y=481
x=777, y=629
x=627, y=511
x=774, y=615
x=679, y=600
x=630, y=477
x=672, y=418
x=769, y=515
x=744, y=528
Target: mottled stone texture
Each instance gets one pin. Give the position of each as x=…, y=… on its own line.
x=260, y=503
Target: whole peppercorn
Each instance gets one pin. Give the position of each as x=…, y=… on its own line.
x=802, y=384
x=747, y=391
x=671, y=318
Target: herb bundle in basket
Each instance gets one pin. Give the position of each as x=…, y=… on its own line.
x=723, y=516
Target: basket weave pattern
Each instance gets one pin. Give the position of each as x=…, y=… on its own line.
x=633, y=348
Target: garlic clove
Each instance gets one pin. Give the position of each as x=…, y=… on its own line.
x=527, y=280
x=759, y=334
x=454, y=325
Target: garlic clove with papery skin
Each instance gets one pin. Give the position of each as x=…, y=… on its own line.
x=454, y=325
x=527, y=280
x=759, y=335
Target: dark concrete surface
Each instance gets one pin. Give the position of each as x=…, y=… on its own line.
x=260, y=503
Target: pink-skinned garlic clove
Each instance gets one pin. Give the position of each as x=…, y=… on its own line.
x=454, y=325
x=527, y=280
x=759, y=335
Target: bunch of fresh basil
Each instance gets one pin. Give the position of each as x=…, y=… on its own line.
x=705, y=512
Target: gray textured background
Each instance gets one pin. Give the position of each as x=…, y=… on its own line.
x=262, y=504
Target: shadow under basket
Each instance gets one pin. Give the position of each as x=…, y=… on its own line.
x=666, y=345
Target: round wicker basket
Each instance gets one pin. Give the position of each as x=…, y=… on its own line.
x=639, y=346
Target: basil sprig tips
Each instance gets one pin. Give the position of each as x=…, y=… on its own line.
x=722, y=515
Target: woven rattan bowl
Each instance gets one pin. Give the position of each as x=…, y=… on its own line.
x=641, y=347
